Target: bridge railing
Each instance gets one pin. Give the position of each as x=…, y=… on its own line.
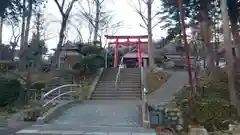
x=60, y=93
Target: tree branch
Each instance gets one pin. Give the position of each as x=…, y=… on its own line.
x=143, y=26
x=155, y=25
x=63, y=3
x=156, y=15
x=59, y=7
x=70, y=7
x=139, y=11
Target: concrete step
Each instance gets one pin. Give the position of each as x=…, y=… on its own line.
x=116, y=93
x=120, y=81
x=115, y=98
x=64, y=129
x=119, y=89
x=119, y=86
x=123, y=92
x=122, y=88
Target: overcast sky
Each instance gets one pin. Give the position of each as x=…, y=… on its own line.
x=123, y=10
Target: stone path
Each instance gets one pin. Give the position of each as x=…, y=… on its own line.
x=167, y=91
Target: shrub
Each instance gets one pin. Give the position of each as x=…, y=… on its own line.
x=212, y=108
x=10, y=91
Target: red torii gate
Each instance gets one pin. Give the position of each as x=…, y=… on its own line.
x=128, y=42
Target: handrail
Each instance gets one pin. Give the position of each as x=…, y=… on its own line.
x=58, y=97
x=117, y=77
x=58, y=88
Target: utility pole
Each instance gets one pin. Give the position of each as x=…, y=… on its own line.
x=228, y=54
x=187, y=49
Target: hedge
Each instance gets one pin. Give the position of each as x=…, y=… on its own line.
x=9, y=91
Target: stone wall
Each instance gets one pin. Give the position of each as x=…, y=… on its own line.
x=165, y=117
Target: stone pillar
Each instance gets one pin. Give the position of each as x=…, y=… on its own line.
x=145, y=63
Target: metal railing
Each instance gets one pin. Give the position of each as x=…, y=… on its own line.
x=47, y=103
x=117, y=78
x=58, y=89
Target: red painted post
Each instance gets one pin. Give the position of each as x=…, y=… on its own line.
x=187, y=47
x=116, y=55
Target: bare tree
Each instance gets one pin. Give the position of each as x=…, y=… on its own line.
x=97, y=19
x=147, y=20
x=65, y=16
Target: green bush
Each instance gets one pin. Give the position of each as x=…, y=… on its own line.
x=89, y=64
x=9, y=91
x=212, y=108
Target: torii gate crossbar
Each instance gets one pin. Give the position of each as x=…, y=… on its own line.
x=128, y=42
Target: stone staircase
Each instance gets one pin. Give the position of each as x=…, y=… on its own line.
x=128, y=85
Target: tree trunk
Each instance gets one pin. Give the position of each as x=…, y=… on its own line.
x=60, y=41
x=23, y=61
x=29, y=16
x=1, y=29
x=39, y=56
x=149, y=28
x=23, y=25
x=205, y=34
x=96, y=28
x=228, y=54
x=233, y=15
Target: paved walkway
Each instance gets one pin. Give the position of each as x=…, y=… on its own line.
x=95, y=118
x=167, y=91
x=100, y=113
x=7, y=128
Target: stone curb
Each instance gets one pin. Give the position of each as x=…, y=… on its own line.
x=94, y=83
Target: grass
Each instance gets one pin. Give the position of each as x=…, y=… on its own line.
x=154, y=80
x=86, y=83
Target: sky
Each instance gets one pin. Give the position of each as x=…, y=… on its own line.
x=123, y=10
